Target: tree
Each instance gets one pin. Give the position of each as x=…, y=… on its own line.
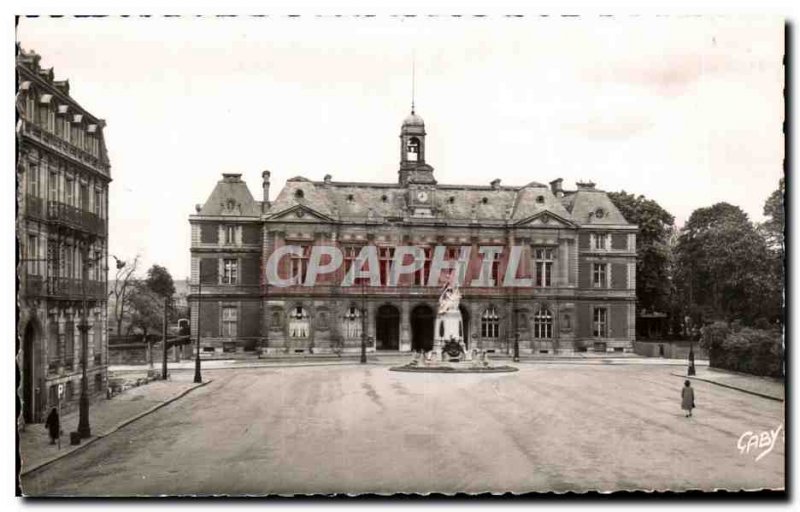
x=123, y=280
x=775, y=212
x=159, y=281
x=723, y=267
x=653, y=252
x=146, y=308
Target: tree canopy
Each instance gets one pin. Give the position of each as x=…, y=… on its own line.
x=159, y=281
x=652, y=248
x=723, y=266
x=146, y=308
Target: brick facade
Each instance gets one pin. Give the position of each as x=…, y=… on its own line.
x=590, y=249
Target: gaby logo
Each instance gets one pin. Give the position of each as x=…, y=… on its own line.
x=295, y=265
x=764, y=441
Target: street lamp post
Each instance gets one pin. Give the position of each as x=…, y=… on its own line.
x=198, y=378
x=516, y=347
x=84, y=430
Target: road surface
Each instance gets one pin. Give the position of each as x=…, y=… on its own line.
x=357, y=429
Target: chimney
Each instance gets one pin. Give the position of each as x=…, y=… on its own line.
x=556, y=188
x=495, y=184
x=328, y=179
x=265, y=187
x=585, y=185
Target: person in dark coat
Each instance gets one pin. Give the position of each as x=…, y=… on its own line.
x=53, y=425
x=687, y=398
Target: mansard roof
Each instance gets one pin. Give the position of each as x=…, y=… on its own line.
x=363, y=200
x=231, y=197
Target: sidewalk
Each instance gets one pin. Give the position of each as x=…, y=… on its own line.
x=105, y=417
x=764, y=387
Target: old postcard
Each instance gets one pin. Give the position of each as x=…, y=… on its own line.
x=274, y=255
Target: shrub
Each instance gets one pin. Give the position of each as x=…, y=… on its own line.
x=748, y=350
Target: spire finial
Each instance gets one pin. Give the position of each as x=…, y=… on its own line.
x=413, y=78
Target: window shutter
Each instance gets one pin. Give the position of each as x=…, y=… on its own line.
x=250, y=319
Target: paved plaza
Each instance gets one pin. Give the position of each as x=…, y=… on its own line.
x=362, y=428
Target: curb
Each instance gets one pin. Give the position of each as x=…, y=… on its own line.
x=112, y=430
x=749, y=392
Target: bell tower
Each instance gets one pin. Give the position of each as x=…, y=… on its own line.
x=413, y=168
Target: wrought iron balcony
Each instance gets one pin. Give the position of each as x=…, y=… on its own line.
x=65, y=148
x=73, y=288
x=68, y=216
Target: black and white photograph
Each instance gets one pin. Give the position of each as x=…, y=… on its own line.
x=401, y=255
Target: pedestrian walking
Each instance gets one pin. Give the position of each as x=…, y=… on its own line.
x=53, y=425
x=687, y=398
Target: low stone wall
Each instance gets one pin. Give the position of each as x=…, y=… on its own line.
x=668, y=349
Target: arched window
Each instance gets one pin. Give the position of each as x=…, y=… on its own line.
x=352, y=323
x=490, y=323
x=543, y=324
x=412, y=150
x=298, y=323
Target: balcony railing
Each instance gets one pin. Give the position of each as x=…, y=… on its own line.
x=36, y=286
x=32, y=130
x=63, y=214
x=75, y=218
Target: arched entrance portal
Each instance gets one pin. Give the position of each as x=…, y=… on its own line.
x=28, y=374
x=422, y=319
x=465, y=322
x=387, y=328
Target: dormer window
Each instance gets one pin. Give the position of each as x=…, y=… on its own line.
x=384, y=198
x=540, y=199
x=451, y=199
x=485, y=200
x=412, y=150
x=298, y=194
x=350, y=198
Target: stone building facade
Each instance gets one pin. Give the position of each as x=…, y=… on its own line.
x=63, y=174
x=580, y=254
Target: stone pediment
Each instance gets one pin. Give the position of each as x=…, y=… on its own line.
x=546, y=219
x=299, y=213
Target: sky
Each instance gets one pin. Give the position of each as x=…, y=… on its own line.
x=687, y=111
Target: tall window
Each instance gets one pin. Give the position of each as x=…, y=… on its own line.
x=352, y=323
x=69, y=341
x=350, y=257
x=52, y=340
x=97, y=266
x=543, y=267
x=69, y=186
x=230, y=271
x=69, y=260
x=600, y=241
x=33, y=179
x=600, y=323
x=490, y=323
x=30, y=105
x=230, y=234
x=385, y=255
x=300, y=263
x=98, y=202
x=53, y=194
x=298, y=323
x=543, y=323
x=599, y=275
x=230, y=319
x=421, y=275
x=33, y=255
x=83, y=197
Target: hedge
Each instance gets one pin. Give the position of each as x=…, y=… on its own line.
x=747, y=350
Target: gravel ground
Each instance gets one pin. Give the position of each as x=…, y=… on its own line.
x=356, y=429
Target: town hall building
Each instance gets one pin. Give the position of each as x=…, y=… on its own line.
x=580, y=256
